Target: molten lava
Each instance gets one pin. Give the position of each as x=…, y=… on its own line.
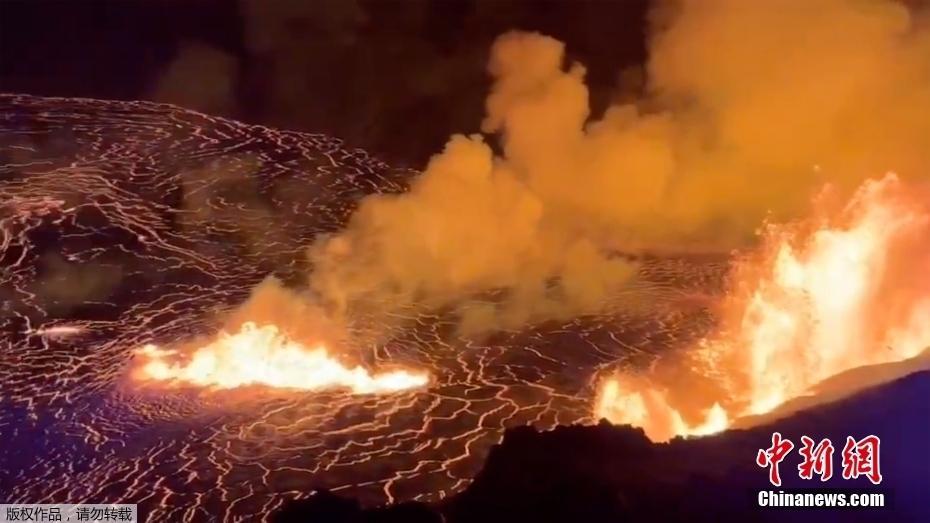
x=265, y=356
x=821, y=297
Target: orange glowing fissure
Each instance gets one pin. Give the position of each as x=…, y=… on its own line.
x=262, y=355
x=822, y=297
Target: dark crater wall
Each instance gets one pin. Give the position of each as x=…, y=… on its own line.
x=607, y=473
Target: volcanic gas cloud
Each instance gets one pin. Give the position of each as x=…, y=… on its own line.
x=748, y=110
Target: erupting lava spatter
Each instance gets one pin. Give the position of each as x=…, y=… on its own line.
x=824, y=296
x=264, y=356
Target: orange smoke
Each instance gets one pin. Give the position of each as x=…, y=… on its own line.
x=747, y=108
x=264, y=356
x=821, y=297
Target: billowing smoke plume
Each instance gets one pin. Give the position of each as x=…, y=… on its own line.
x=747, y=109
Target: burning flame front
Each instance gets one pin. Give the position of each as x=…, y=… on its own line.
x=262, y=355
x=823, y=297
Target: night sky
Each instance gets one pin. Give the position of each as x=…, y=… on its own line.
x=394, y=77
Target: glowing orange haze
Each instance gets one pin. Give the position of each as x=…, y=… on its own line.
x=264, y=356
x=821, y=297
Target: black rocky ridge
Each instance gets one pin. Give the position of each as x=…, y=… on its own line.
x=614, y=473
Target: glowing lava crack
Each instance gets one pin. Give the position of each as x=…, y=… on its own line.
x=137, y=222
x=265, y=356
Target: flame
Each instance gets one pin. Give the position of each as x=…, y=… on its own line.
x=825, y=296
x=265, y=356
x=622, y=404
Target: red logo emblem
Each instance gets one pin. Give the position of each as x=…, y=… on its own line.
x=817, y=460
x=774, y=455
x=860, y=458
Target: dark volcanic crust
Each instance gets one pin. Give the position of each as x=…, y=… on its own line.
x=133, y=222
x=610, y=474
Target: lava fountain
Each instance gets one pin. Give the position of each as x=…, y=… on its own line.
x=263, y=355
x=823, y=296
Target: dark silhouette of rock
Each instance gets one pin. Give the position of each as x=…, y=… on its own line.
x=324, y=506
x=612, y=474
